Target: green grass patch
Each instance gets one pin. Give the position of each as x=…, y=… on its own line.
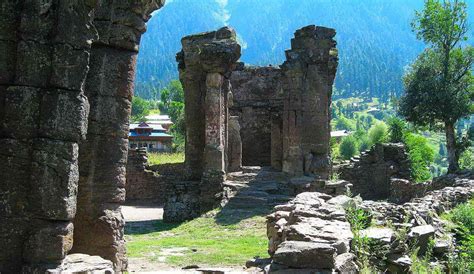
x=204, y=241
x=165, y=158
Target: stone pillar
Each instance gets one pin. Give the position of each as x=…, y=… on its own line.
x=309, y=72
x=205, y=64
x=277, y=142
x=103, y=156
x=235, y=145
x=45, y=48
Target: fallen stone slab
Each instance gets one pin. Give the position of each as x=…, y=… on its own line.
x=299, y=254
x=82, y=263
x=379, y=235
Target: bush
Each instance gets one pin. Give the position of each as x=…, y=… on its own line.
x=344, y=123
x=462, y=218
x=466, y=159
x=140, y=109
x=421, y=156
x=348, y=147
x=396, y=128
x=378, y=133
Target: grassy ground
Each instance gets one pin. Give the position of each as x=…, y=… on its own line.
x=165, y=158
x=203, y=241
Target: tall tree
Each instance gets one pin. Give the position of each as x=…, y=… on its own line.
x=439, y=85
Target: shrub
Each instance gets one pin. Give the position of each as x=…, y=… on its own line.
x=378, y=133
x=396, y=128
x=466, y=160
x=348, y=147
x=421, y=155
x=462, y=218
x=344, y=123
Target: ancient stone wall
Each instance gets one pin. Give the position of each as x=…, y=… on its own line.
x=372, y=172
x=205, y=64
x=142, y=183
x=258, y=102
x=45, y=102
x=308, y=77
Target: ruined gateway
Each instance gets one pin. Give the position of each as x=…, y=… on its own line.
x=66, y=83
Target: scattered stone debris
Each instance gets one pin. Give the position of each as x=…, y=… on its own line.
x=310, y=233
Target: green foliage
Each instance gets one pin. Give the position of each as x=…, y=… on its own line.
x=462, y=219
x=439, y=86
x=378, y=133
x=172, y=93
x=466, y=160
x=172, y=103
x=361, y=246
x=421, y=155
x=140, y=109
x=421, y=264
x=344, y=123
x=348, y=147
x=396, y=129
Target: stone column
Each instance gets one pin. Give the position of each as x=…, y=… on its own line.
x=235, y=145
x=309, y=72
x=45, y=47
x=205, y=64
x=99, y=222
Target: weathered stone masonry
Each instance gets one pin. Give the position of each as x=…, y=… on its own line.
x=205, y=64
x=48, y=50
x=309, y=72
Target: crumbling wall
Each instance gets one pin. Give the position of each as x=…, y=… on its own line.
x=47, y=54
x=205, y=64
x=142, y=183
x=308, y=77
x=258, y=102
x=371, y=174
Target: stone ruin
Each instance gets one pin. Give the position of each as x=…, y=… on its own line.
x=66, y=83
x=311, y=233
x=253, y=116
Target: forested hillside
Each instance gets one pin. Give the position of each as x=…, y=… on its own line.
x=374, y=38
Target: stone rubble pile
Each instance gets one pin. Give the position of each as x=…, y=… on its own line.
x=419, y=220
x=311, y=232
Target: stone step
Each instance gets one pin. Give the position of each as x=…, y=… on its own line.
x=235, y=185
x=241, y=177
x=247, y=202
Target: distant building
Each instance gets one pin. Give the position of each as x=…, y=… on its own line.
x=153, y=136
x=339, y=134
x=157, y=119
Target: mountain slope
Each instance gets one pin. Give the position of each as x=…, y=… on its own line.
x=374, y=37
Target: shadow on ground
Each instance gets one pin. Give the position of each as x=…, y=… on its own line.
x=145, y=227
x=255, y=194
